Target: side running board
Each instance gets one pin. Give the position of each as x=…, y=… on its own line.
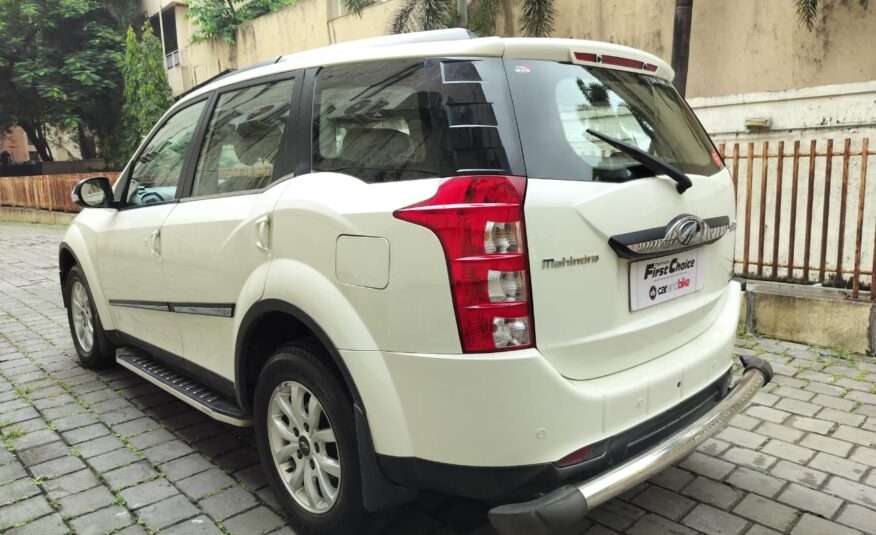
x=203, y=398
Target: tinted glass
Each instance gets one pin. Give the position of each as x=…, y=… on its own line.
x=156, y=172
x=243, y=139
x=556, y=103
x=408, y=119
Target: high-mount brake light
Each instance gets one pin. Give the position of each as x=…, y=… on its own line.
x=618, y=61
x=479, y=222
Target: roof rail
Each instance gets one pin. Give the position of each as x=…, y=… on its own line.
x=449, y=34
x=429, y=36
x=229, y=72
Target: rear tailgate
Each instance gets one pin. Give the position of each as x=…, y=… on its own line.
x=585, y=325
x=598, y=308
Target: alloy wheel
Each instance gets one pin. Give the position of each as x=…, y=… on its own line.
x=303, y=447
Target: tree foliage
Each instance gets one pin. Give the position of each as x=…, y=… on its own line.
x=59, y=66
x=356, y=6
x=536, y=16
x=222, y=17
x=147, y=94
x=422, y=15
x=807, y=10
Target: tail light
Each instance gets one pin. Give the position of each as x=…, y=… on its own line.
x=479, y=222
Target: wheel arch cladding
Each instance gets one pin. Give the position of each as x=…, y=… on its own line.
x=66, y=261
x=268, y=325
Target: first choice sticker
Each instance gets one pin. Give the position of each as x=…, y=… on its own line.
x=665, y=278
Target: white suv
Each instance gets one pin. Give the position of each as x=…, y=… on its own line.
x=498, y=268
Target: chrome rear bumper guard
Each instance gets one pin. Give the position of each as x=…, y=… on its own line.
x=568, y=505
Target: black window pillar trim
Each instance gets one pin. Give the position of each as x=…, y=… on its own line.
x=188, y=175
x=304, y=157
x=289, y=144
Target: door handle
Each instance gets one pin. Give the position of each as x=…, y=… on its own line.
x=263, y=233
x=154, y=244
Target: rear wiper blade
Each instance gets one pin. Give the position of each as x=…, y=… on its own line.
x=648, y=160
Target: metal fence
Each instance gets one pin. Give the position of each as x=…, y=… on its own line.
x=802, y=212
x=45, y=192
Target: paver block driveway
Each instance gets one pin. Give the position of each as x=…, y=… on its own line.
x=96, y=452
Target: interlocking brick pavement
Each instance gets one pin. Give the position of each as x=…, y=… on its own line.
x=95, y=452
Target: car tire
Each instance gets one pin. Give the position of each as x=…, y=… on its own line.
x=94, y=349
x=289, y=441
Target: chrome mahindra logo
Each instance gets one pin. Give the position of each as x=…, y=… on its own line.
x=687, y=230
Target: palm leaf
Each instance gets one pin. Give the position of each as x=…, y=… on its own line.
x=401, y=20
x=537, y=17
x=420, y=15
x=807, y=10
x=435, y=13
x=356, y=6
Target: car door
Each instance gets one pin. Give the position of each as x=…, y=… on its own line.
x=129, y=248
x=216, y=244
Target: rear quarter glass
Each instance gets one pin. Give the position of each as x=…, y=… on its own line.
x=555, y=104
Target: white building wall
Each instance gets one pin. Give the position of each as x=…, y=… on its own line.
x=819, y=113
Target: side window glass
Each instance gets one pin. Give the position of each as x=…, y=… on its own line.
x=394, y=120
x=243, y=139
x=157, y=170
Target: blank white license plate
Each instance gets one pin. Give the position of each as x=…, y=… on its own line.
x=667, y=277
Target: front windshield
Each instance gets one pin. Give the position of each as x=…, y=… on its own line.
x=557, y=102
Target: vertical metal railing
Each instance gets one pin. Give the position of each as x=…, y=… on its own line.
x=825, y=211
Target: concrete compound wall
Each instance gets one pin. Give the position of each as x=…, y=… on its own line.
x=736, y=47
x=816, y=316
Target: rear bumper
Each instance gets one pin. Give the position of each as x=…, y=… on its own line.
x=514, y=409
x=569, y=504
x=509, y=483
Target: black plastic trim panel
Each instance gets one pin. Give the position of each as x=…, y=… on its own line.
x=267, y=306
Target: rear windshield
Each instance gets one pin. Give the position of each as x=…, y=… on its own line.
x=557, y=102
x=407, y=119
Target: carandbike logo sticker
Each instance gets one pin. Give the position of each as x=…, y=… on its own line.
x=665, y=289
x=523, y=69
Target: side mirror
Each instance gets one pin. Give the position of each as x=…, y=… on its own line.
x=94, y=192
